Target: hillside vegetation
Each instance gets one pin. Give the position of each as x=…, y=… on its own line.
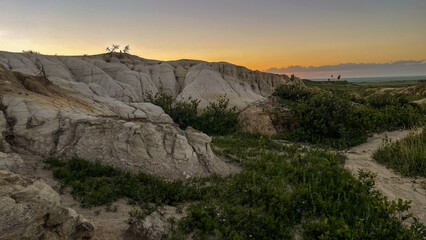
x=284, y=190
x=341, y=118
x=218, y=118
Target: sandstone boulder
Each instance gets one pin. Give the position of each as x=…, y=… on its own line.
x=30, y=209
x=255, y=120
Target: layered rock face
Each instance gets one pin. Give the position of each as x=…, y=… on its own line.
x=30, y=209
x=128, y=78
x=48, y=120
x=92, y=106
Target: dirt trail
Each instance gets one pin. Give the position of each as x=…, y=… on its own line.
x=390, y=183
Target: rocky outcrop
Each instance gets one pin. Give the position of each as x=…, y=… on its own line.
x=268, y=117
x=255, y=120
x=10, y=162
x=48, y=120
x=4, y=146
x=127, y=78
x=92, y=106
x=30, y=209
x=152, y=227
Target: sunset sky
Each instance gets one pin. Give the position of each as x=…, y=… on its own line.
x=282, y=36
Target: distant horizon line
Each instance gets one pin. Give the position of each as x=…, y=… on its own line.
x=396, y=78
x=265, y=71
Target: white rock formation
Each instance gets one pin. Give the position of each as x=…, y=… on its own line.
x=30, y=209
x=127, y=78
x=51, y=121
x=98, y=111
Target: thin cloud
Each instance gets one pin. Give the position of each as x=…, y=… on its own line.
x=397, y=68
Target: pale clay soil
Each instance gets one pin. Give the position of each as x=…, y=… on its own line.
x=112, y=225
x=390, y=183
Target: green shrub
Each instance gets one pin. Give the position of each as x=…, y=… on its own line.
x=406, y=156
x=387, y=99
x=94, y=184
x=293, y=92
x=184, y=113
x=330, y=119
x=216, y=119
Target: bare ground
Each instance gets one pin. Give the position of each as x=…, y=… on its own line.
x=390, y=183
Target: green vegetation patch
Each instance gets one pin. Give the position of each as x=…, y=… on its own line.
x=282, y=188
x=94, y=184
x=218, y=118
x=341, y=119
x=406, y=156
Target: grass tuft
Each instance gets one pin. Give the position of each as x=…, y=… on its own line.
x=406, y=156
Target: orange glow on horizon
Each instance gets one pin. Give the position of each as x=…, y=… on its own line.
x=258, y=35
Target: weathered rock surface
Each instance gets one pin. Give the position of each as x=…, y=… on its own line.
x=48, y=120
x=152, y=227
x=10, y=162
x=29, y=209
x=127, y=78
x=4, y=146
x=268, y=117
x=93, y=106
x=255, y=120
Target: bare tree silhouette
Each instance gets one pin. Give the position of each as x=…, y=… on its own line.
x=113, y=48
x=126, y=49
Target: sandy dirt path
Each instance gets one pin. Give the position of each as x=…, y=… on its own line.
x=390, y=183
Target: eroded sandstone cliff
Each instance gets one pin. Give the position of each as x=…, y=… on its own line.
x=50, y=121
x=127, y=78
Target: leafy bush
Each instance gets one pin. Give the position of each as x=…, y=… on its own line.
x=184, y=113
x=341, y=119
x=94, y=184
x=327, y=118
x=387, y=99
x=406, y=156
x=293, y=92
x=216, y=119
